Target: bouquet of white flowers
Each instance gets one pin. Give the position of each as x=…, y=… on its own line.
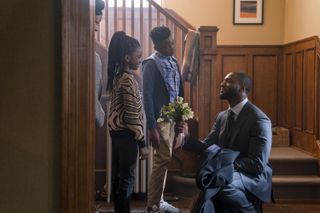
x=176, y=111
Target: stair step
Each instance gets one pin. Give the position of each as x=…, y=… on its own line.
x=290, y=161
x=294, y=167
x=284, y=187
x=296, y=180
x=287, y=153
x=295, y=177
x=296, y=187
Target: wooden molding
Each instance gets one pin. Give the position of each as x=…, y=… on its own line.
x=78, y=127
x=304, y=40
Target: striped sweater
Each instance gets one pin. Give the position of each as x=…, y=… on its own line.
x=126, y=107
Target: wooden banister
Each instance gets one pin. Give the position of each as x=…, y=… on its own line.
x=181, y=24
x=317, y=45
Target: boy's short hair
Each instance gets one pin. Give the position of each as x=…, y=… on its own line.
x=159, y=34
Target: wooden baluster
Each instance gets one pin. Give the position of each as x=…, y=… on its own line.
x=162, y=19
x=158, y=17
x=141, y=30
x=115, y=15
x=132, y=18
x=106, y=21
x=124, y=17
x=150, y=28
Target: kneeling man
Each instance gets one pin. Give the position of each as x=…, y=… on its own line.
x=243, y=128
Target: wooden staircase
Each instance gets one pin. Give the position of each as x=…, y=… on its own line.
x=295, y=177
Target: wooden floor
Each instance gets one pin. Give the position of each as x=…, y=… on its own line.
x=184, y=204
x=297, y=207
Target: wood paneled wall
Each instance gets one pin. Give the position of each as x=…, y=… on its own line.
x=299, y=93
x=285, y=79
x=262, y=63
x=286, y=85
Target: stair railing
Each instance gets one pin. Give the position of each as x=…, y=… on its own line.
x=137, y=18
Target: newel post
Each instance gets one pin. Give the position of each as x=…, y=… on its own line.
x=78, y=112
x=207, y=79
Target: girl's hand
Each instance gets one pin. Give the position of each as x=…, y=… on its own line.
x=143, y=153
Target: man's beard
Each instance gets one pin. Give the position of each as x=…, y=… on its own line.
x=229, y=94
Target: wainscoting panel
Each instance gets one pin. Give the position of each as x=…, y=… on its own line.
x=205, y=93
x=309, y=91
x=299, y=93
x=232, y=63
x=264, y=91
x=298, y=81
x=286, y=101
x=262, y=64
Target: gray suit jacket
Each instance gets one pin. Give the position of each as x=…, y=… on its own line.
x=251, y=135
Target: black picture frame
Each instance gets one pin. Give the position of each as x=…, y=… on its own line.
x=248, y=12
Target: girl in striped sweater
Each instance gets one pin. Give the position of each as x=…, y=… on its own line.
x=125, y=117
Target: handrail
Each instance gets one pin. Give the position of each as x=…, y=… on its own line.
x=172, y=18
x=318, y=44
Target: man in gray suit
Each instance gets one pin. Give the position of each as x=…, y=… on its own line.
x=246, y=129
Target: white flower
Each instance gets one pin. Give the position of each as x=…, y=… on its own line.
x=175, y=111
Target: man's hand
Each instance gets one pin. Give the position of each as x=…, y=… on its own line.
x=143, y=153
x=154, y=138
x=181, y=127
x=181, y=133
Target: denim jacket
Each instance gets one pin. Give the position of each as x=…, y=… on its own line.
x=155, y=92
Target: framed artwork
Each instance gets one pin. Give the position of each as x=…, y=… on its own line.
x=248, y=12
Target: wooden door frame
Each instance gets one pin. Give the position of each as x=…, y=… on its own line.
x=78, y=120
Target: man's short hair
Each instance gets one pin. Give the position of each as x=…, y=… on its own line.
x=245, y=80
x=159, y=34
x=99, y=7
